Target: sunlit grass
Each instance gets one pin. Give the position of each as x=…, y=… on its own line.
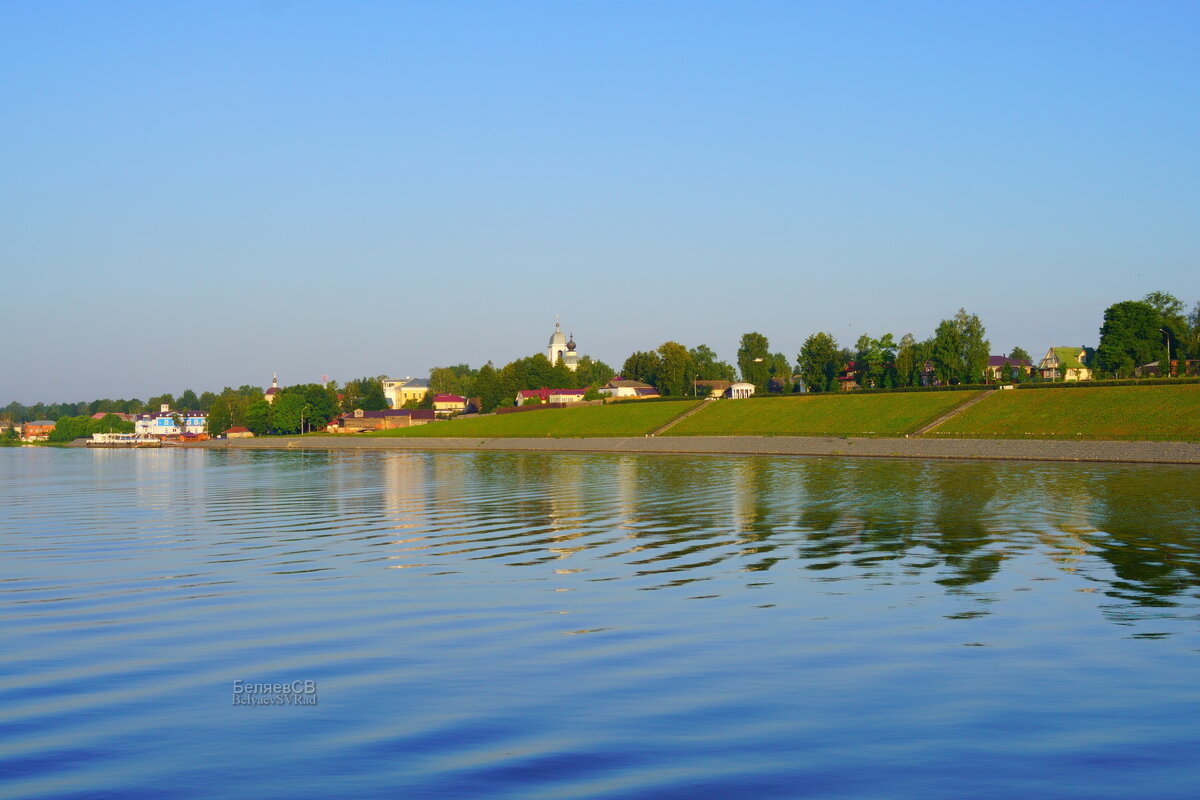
x=821, y=415
x=1114, y=412
x=620, y=419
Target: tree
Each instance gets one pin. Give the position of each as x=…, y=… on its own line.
x=641, y=366
x=1130, y=337
x=874, y=361
x=779, y=368
x=960, y=352
x=818, y=362
x=590, y=372
x=489, y=389
x=188, y=401
x=1191, y=347
x=1173, y=322
x=373, y=398
x=752, y=358
x=290, y=410
x=709, y=368
x=259, y=417
x=1018, y=354
x=905, y=362
x=675, y=370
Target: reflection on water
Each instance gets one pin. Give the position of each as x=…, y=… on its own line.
x=514, y=625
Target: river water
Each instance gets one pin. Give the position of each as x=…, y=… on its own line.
x=506, y=625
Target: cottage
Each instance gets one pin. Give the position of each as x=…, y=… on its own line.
x=620, y=388
x=239, y=432
x=996, y=366
x=447, y=404
x=37, y=431
x=358, y=421
x=711, y=388
x=1067, y=364
x=567, y=395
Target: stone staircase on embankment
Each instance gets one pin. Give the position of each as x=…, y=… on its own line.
x=672, y=423
x=954, y=412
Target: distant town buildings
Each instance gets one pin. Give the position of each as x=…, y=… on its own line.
x=404, y=390
x=561, y=347
x=445, y=405
x=270, y=394
x=166, y=422
x=619, y=388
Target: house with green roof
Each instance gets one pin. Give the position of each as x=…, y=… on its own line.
x=1067, y=364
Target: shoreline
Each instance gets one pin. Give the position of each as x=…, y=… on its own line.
x=1126, y=452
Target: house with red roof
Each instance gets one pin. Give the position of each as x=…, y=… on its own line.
x=446, y=404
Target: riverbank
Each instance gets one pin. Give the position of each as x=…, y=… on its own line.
x=992, y=449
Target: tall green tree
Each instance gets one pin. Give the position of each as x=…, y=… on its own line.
x=188, y=401
x=1130, y=336
x=591, y=372
x=709, y=367
x=752, y=356
x=259, y=417
x=642, y=366
x=490, y=390
x=874, y=361
x=1172, y=320
x=906, y=361
x=960, y=351
x=676, y=370
x=818, y=362
x=779, y=371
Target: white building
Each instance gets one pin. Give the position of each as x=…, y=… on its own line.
x=164, y=422
x=740, y=391
x=560, y=347
x=403, y=390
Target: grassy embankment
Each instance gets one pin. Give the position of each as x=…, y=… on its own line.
x=1109, y=413
x=621, y=419
x=822, y=415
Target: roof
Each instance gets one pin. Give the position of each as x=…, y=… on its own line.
x=568, y=391
x=449, y=398
x=617, y=383
x=714, y=383
x=238, y=429
x=43, y=422
x=416, y=383
x=273, y=390
x=1000, y=361
x=1068, y=357
x=387, y=412
x=543, y=393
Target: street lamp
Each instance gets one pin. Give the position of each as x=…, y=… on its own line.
x=1168, y=333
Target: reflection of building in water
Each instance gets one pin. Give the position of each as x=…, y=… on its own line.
x=743, y=509
x=565, y=510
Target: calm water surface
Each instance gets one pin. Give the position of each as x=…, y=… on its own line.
x=571, y=626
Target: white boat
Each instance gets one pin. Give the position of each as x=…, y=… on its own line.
x=124, y=440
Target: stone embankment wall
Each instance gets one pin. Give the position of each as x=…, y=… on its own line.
x=999, y=449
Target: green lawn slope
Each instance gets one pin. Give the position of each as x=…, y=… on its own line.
x=1114, y=412
x=619, y=419
x=821, y=415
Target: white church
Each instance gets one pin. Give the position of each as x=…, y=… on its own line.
x=560, y=347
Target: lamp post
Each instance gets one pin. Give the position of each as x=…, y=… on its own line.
x=1168, y=334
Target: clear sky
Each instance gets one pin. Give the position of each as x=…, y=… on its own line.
x=195, y=195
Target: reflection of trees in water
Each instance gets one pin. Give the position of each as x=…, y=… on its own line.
x=1149, y=520
x=879, y=520
x=960, y=493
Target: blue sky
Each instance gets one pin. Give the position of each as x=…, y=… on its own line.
x=197, y=195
